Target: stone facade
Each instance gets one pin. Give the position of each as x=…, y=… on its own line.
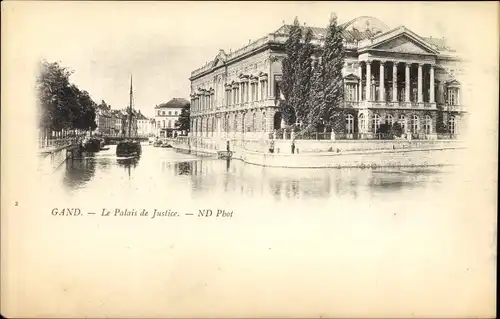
x=390, y=75
x=166, y=115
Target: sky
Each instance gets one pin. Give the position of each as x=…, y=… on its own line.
x=160, y=43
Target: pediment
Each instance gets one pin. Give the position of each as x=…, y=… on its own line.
x=453, y=83
x=220, y=59
x=351, y=78
x=404, y=44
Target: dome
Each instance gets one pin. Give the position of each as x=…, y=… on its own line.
x=366, y=23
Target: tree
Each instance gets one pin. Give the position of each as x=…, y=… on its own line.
x=290, y=66
x=316, y=98
x=327, y=83
x=62, y=105
x=183, y=122
x=396, y=129
x=302, y=85
x=54, y=93
x=333, y=62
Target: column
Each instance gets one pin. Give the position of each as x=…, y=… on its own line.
x=381, y=96
x=249, y=90
x=407, y=82
x=420, y=99
x=258, y=84
x=360, y=84
x=395, y=81
x=431, y=80
x=368, y=79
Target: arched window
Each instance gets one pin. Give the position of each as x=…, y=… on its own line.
x=375, y=123
x=264, y=122
x=253, y=123
x=235, y=122
x=452, y=125
x=414, y=124
x=428, y=124
x=362, y=123
x=402, y=122
x=389, y=119
x=349, y=124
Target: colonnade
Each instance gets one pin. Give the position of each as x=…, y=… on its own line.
x=407, y=80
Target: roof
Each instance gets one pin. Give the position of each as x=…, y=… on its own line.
x=318, y=33
x=139, y=115
x=175, y=103
x=353, y=31
x=357, y=29
x=439, y=43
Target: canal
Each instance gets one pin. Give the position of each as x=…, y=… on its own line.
x=164, y=174
x=297, y=239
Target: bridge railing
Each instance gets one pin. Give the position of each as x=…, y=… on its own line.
x=48, y=144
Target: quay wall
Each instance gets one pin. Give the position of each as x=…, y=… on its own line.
x=315, y=154
x=49, y=161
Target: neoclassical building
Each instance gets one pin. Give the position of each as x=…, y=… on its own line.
x=390, y=75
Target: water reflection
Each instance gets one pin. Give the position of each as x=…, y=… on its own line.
x=78, y=172
x=131, y=162
x=204, y=176
x=128, y=163
x=183, y=168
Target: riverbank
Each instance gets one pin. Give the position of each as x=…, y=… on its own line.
x=345, y=155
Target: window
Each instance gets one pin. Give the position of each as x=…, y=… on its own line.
x=350, y=92
x=277, y=90
x=414, y=124
x=375, y=123
x=452, y=125
x=402, y=122
x=350, y=124
x=263, y=121
x=163, y=124
x=253, y=123
x=162, y=112
x=428, y=124
x=169, y=112
x=453, y=96
x=389, y=119
x=362, y=123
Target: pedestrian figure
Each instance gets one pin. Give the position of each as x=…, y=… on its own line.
x=271, y=146
x=293, y=147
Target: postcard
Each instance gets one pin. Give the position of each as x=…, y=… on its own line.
x=249, y=159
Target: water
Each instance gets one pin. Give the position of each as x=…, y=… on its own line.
x=166, y=172
x=371, y=242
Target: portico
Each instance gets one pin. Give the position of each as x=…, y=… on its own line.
x=398, y=84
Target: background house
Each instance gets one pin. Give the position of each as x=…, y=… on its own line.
x=166, y=114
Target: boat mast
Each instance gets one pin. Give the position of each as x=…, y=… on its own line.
x=130, y=109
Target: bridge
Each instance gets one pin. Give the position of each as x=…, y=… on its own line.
x=111, y=140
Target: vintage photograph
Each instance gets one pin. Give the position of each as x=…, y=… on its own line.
x=305, y=159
